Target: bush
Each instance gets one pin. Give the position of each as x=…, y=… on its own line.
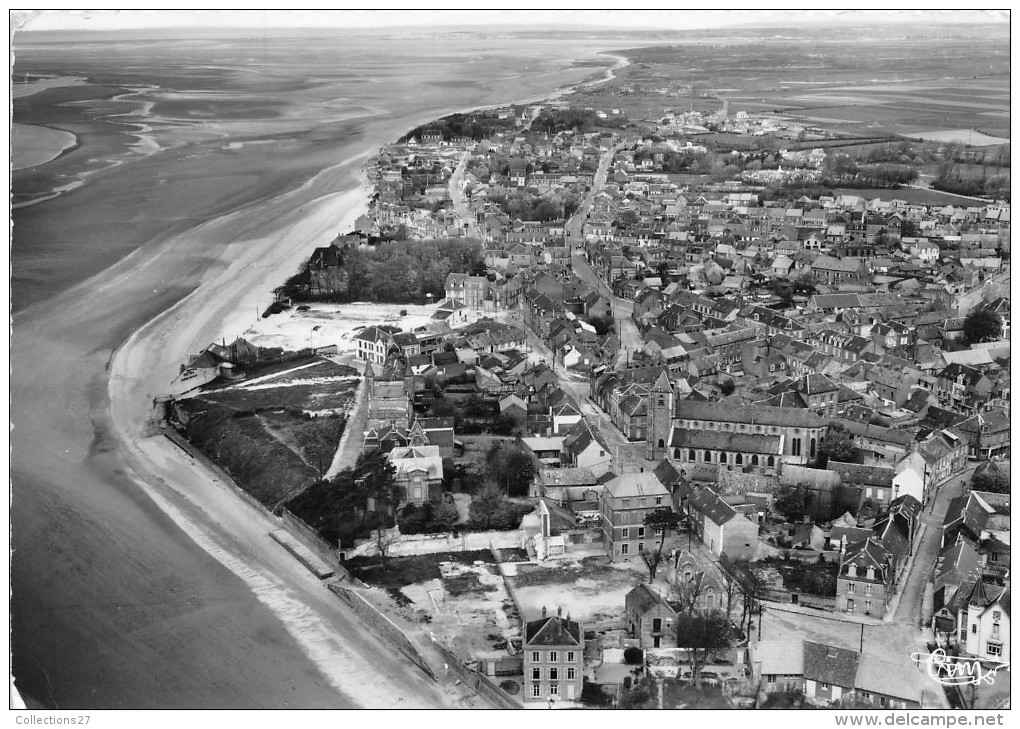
x=513, y=688
x=592, y=694
x=634, y=656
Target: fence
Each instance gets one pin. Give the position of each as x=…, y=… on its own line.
x=382, y=625
x=508, y=584
x=294, y=526
x=485, y=686
x=311, y=539
x=414, y=544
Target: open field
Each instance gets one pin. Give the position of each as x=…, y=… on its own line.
x=459, y=594
x=321, y=325
x=585, y=584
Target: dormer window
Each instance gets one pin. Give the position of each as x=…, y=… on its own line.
x=851, y=570
x=871, y=573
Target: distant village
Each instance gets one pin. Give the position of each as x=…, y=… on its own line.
x=749, y=405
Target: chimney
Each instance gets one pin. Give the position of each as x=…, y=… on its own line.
x=543, y=611
x=559, y=611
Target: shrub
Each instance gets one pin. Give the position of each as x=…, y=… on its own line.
x=634, y=656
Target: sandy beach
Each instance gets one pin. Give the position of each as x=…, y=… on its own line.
x=165, y=581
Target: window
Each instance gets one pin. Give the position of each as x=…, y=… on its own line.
x=867, y=606
x=754, y=460
x=602, y=454
x=624, y=549
x=641, y=546
x=722, y=457
x=708, y=456
x=625, y=534
x=554, y=674
x=536, y=690
x=851, y=587
x=973, y=628
x=658, y=501
x=571, y=674
x=869, y=590
x=867, y=493
x=690, y=455
x=994, y=649
x=825, y=685
x=865, y=696
x=739, y=459
x=881, y=700
x=536, y=674
x=626, y=503
x=850, y=606
x=796, y=447
x=536, y=657
x=554, y=689
x=570, y=657
x=814, y=444
x=770, y=678
x=881, y=494
x=771, y=462
x=553, y=656
x=641, y=532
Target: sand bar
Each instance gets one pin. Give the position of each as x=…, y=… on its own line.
x=32, y=145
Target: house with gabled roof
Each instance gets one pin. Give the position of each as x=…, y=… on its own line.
x=553, y=658
x=830, y=673
x=866, y=577
x=983, y=622
x=649, y=618
x=584, y=447
x=720, y=527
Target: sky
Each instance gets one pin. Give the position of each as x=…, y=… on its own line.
x=631, y=19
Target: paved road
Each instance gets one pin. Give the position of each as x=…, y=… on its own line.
x=630, y=337
x=460, y=203
x=911, y=605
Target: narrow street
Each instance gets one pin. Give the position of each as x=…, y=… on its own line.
x=460, y=203
x=908, y=613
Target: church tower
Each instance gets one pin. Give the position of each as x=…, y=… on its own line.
x=660, y=418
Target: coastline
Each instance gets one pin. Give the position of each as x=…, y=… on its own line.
x=242, y=289
x=44, y=144
x=77, y=448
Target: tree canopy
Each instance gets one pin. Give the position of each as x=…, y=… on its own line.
x=995, y=481
x=982, y=325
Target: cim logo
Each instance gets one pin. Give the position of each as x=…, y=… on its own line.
x=955, y=671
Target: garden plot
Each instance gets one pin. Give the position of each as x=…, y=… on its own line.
x=590, y=588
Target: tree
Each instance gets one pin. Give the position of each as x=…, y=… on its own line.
x=837, y=445
x=686, y=593
x=593, y=695
x=512, y=469
x=487, y=506
x=700, y=634
x=749, y=586
x=661, y=521
x=995, y=481
x=726, y=387
x=982, y=325
x=792, y=502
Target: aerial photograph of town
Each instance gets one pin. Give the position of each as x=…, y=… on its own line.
x=510, y=359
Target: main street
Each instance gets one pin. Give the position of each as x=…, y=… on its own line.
x=630, y=338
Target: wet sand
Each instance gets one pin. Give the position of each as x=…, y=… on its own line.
x=163, y=582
